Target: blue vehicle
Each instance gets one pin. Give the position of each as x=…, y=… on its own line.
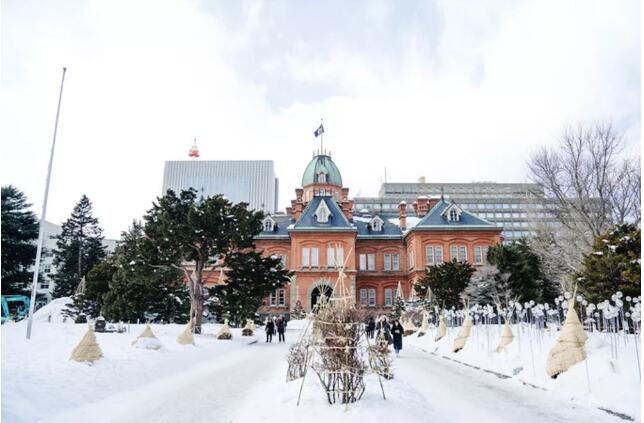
x=14, y=307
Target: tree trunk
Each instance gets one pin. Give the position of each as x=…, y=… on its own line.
x=196, y=297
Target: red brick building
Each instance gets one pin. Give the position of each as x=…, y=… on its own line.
x=319, y=231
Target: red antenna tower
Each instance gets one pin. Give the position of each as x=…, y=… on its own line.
x=194, y=150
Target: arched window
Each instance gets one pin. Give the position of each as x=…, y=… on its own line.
x=269, y=225
x=322, y=177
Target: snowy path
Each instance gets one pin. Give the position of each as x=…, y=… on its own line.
x=248, y=385
x=208, y=392
x=461, y=393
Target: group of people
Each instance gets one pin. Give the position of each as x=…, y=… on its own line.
x=274, y=325
x=382, y=330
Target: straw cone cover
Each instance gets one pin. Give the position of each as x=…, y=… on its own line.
x=147, y=340
x=442, y=329
x=224, y=332
x=506, y=337
x=463, y=333
x=87, y=349
x=186, y=336
x=248, y=329
x=569, y=349
x=423, y=326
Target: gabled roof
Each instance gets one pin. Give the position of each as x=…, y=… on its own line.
x=389, y=230
x=308, y=221
x=436, y=219
x=282, y=222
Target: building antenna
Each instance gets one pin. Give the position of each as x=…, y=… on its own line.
x=385, y=174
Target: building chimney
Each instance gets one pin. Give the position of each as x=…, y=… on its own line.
x=345, y=194
x=415, y=207
x=298, y=194
x=402, y=215
x=432, y=203
x=423, y=206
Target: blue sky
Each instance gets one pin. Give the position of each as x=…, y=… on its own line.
x=453, y=91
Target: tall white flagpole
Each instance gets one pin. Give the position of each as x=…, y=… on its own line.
x=322, y=138
x=42, y=215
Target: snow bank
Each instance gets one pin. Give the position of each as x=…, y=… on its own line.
x=614, y=384
x=54, y=309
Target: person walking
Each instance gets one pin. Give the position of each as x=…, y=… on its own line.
x=384, y=329
x=281, y=326
x=397, y=331
x=371, y=327
x=270, y=329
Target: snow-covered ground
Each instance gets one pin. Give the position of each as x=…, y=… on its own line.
x=244, y=381
x=600, y=381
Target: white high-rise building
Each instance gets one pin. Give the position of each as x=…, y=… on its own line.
x=250, y=181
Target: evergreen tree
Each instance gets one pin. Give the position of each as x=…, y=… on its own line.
x=97, y=284
x=613, y=265
x=447, y=281
x=398, y=309
x=79, y=248
x=527, y=279
x=19, y=235
x=250, y=277
x=196, y=232
x=141, y=289
x=487, y=285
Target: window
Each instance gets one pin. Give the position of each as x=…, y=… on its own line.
x=278, y=297
x=453, y=216
x=363, y=262
x=372, y=297
x=376, y=224
x=453, y=252
x=322, y=177
x=268, y=225
x=371, y=261
x=462, y=253
x=331, y=259
x=46, y=268
x=44, y=285
x=478, y=255
x=314, y=257
x=322, y=191
x=429, y=256
x=363, y=297
x=322, y=213
x=306, y=257
x=392, y=262
x=389, y=297
x=438, y=250
x=282, y=260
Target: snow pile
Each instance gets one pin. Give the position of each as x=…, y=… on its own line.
x=614, y=384
x=54, y=309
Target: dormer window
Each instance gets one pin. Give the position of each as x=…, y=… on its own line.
x=322, y=177
x=322, y=213
x=268, y=224
x=376, y=224
x=452, y=213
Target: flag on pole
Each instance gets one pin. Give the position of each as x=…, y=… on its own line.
x=319, y=131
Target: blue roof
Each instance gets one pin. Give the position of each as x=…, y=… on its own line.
x=280, y=230
x=389, y=230
x=337, y=220
x=435, y=219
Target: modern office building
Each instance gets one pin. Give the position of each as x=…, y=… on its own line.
x=511, y=206
x=251, y=181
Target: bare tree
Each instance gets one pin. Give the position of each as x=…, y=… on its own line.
x=587, y=187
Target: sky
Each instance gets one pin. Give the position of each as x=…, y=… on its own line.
x=453, y=91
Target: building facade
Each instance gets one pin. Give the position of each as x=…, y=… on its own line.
x=514, y=207
x=321, y=231
x=250, y=181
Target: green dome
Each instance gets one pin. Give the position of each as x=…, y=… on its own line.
x=321, y=164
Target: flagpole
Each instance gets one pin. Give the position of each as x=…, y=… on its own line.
x=322, y=138
x=42, y=215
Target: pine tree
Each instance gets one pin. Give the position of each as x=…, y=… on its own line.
x=97, y=284
x=487, y=285
x=140, y=288
x=19, y=235
x=527, y=279
x=79, y=248
x=613, y=265
x=447, y=281
x=250, y=277
x=398, y=308
x=196, y=232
